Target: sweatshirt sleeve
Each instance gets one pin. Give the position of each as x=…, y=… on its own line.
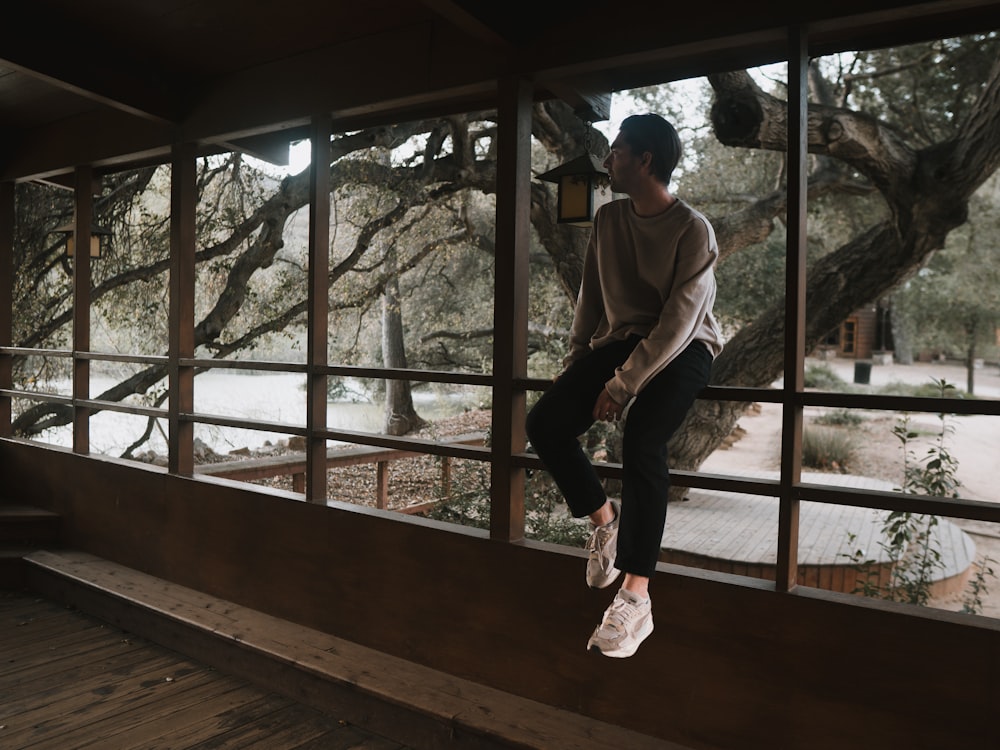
x=689, y=303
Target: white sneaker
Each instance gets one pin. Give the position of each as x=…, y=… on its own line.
x=603, y=547
x=627, y=623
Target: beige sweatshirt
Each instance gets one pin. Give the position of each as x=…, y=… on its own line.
x=652, y=276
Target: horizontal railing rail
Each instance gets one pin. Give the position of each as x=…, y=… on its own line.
x=372, y=442
x=52, y=398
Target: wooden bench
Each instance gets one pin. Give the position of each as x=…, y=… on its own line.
x=408, y=702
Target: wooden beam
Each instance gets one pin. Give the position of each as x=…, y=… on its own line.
x=83, y=222
x=6, y=300
x=795, y=312
x=319, y=81
x=319, y=308
x=588, y=106
x=471, y=24
x=99, y=72
x=382, y=485
x=183, y=203
x=510, y=340
x=98, y=138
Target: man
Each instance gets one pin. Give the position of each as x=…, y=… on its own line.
x=641, y=348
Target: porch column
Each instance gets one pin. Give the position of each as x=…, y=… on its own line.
x=510, y=316
x=7, y=303
x=183, y=206
x=84, y=219
x=319, y=307
x=795, y=313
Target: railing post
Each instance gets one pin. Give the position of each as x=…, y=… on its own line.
x=382, y=485
x=445, y=477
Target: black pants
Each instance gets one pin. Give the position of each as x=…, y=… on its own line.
x=564, y=412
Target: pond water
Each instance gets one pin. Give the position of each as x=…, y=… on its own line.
x=269, y=397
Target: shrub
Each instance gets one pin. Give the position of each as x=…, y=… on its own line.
x=823, y=378
x=932, y=389
x=827, y=449
x=909, y=539
x=839, y=418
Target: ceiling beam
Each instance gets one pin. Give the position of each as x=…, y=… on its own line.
x=289, y=91
x=454, y=13
x=97, y=73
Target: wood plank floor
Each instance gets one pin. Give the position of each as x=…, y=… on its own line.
x=69, y=682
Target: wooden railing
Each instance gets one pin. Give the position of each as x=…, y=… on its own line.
x=294, y=464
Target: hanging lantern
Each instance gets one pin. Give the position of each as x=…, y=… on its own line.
x=583, y=186
x=96, y=232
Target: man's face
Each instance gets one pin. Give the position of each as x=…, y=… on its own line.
x=624, y=167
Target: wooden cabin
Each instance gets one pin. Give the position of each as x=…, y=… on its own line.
x=863, y=335
x=426, y=633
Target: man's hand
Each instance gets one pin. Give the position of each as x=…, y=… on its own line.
x=607, y=409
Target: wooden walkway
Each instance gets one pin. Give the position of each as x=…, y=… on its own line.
x=70, y=682
x=737, y=533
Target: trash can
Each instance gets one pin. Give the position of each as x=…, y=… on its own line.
x=862, y=372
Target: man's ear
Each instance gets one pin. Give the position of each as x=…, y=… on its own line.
x=647, y=159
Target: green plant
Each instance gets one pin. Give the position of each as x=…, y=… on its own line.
x=915, y=555
x=869, y=584
x=909, y=539
x=912, y=544
x=935, y=473
x=973, y=602
x=827, y=449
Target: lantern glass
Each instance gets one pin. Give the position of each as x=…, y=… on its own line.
x=583, y=186
x=574, y=198
x=95, y=246
x=96, y=233
x=580, y=196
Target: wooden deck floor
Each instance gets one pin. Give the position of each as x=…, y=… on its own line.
x=69, y=682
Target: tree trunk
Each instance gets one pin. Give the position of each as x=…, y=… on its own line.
x=927, y=192
x=400, y=415
x=970, y=362
x=902, y=343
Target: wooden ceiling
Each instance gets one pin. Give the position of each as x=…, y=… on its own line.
x=116, y=82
